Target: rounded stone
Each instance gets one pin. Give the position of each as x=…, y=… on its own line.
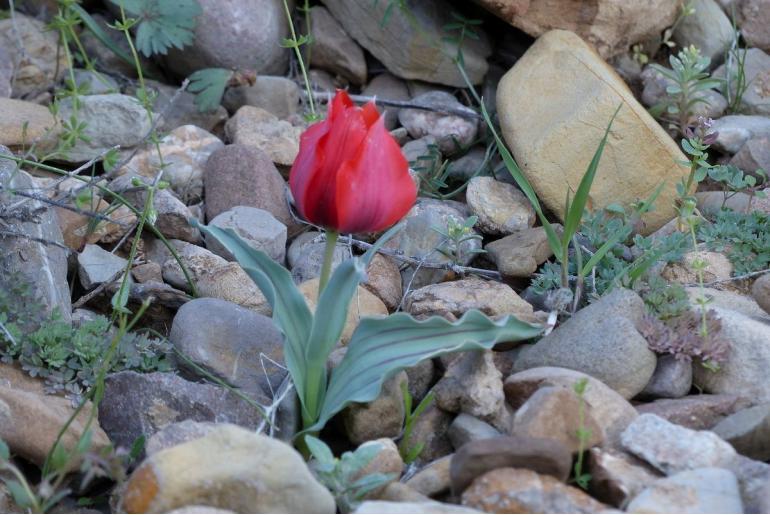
x=502, y=209
x=230, y=468
x=257, y=227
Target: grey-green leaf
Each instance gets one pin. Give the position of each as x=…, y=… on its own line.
x=209, y=85
x=163, y=24
x=319, y=450
x=381, y=347
x=290, y=311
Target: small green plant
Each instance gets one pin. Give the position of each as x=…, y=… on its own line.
x=342, y=476
x=296, y=42
x=456, y=237
x=581, y=478
x=54, y=486
x=378, y=348
x=733, y=180
x=735, y=84
x=411, y=453
x=638, y=54
x=685, y=338
x=573, y=214
x=690, y=79
x=744, y=237
x=664, y=300
x=161, y=24
x=67, y=357
x=688, y=9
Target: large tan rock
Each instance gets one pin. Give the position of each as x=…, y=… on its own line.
x=554, y=106
x=230, y=468
x=612, y=26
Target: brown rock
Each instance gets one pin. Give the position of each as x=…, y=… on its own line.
x=454, y=298
x=241, y=175
x=384, y=280
x=554, y=412
x=14, y=114
x=754, y=20
x=30, y=419
x=332, y=49
x=612, y=26
x=433, y=478
x=35, y=48
x=512, y=490
x=79, y=230
x=761, y=292
x=388, y=461
x=717, y=268
x=617, y=477
x=231, y=468
x=611, y=411
x=399, y=492
x=501, y=208
x=231, y=282
x=147, y=272
x=695, y=411
x=381, y=418
x=473, y=385
x=480, y=456
x=521, y=253
x=259, y=128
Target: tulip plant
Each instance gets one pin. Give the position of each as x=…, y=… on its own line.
x=350, y=176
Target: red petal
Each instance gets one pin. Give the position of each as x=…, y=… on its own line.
x=305, y=167
x=370, y=114
x=374, y=190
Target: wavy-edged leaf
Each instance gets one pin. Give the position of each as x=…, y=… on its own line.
x=163, y=24
x=330, y=317
x=209, y=85
x=381, y=347
x=290, y=311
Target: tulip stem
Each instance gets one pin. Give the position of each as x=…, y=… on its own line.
x=331, y=244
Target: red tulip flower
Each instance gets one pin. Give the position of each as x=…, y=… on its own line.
x=350, y=175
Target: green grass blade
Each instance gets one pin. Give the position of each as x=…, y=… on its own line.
x=573, y=218
x=100, y=34
x=524, y=185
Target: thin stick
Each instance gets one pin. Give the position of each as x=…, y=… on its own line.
x=731, y=279
x=463, y=112
x=32, y=238
x=399, y=256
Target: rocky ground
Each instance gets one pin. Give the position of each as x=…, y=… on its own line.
x=648, y=394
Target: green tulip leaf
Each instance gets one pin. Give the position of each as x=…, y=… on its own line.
x=330, y=317
x=290, y=311
x=328, y=323
x=380, y=347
